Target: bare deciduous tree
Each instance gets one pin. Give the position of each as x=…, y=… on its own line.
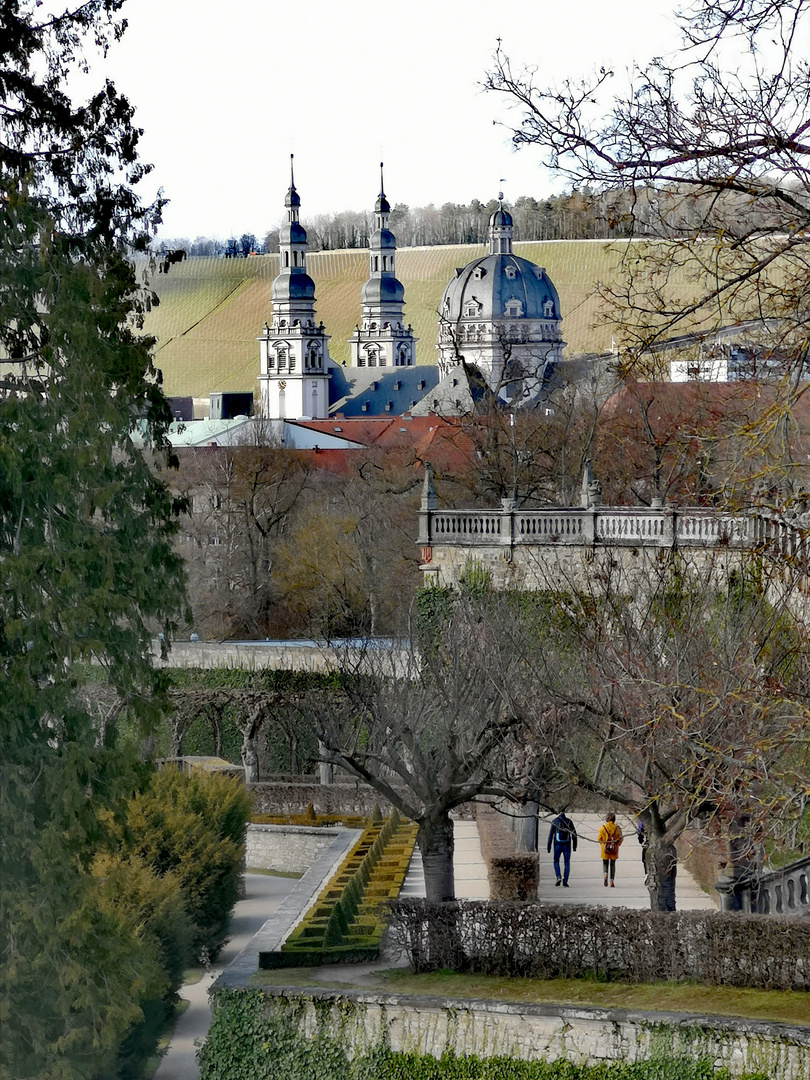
x=678, y=692
x=708, y=149
x=432, y=729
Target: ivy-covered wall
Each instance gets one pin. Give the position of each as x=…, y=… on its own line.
x=294, y=1035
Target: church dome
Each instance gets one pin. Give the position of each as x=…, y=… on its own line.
x=297, y=286
x=500, y=218
x=383, y=239
x=292, y=232
x=385, y=289
x=500, y=287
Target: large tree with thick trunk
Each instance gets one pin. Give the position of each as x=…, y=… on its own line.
x=432, y=726
x=680, y=695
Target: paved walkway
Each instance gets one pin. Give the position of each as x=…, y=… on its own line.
x=264, y=895
x=586, y=879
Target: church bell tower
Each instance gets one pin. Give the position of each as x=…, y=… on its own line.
x=293, y=350
x=381, y=338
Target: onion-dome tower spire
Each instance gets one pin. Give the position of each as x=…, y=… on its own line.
x=294, y=355
x=381, y=340
x=500, y=230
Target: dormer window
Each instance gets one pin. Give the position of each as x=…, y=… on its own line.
x=479, y=273
x=472, y=308
x=514, y=309
x=510, y=272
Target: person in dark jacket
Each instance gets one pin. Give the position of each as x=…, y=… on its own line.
x=563, y=837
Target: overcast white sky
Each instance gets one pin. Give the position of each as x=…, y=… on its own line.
x=226, y=91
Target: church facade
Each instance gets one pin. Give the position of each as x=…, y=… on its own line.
x=499, y=324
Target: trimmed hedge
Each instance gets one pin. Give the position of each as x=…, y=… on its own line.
x=346, y=922
x=512, y=875
x=528, y=939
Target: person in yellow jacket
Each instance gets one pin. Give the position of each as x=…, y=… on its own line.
x=610, y=837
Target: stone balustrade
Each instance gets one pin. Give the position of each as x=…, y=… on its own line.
x=610, y=525
x=778, y=892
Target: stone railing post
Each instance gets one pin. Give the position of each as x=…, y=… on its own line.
x=508, y=507
x=426, y=508
x=669, y=527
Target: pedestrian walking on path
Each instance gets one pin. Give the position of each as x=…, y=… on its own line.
x=610, y=838
x=562, y=836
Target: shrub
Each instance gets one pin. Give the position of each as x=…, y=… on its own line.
x=513, y=939
x=193, y=828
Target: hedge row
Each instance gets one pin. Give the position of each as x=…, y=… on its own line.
x=528, y=939
x=513, y=875
x=346, y=922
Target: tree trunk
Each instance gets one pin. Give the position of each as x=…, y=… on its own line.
x=250, y=758
x=176, y=744
x=662, y=867
x=435, y=839
x=526, y=828
x=660, y=862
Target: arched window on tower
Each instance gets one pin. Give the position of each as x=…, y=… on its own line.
x=286, y=260
x=282, y=359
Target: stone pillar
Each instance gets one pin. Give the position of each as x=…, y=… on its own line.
x=426, y=508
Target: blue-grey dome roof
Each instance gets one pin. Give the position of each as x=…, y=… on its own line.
x=293, y=198
x=382, y=206
x=489, y=283
x=500, y=217
x=383, y=290
x=295, y=286
x=292, y=233
x=382, y=238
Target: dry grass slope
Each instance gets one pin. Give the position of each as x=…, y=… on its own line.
x=211, y=310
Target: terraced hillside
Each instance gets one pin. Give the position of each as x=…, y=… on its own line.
x=211, y=310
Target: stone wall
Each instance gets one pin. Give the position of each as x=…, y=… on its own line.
x=246, y=656
x=572, y=567
x=286, y=848
x=581, y=1035
x=334, y=799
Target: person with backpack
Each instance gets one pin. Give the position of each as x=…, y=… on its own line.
x=563, y=836
x=610, y=838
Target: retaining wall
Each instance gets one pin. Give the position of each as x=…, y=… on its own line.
x=286, y=848
x=583, y=1036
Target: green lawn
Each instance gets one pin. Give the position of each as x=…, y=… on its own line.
x=789, y=1007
